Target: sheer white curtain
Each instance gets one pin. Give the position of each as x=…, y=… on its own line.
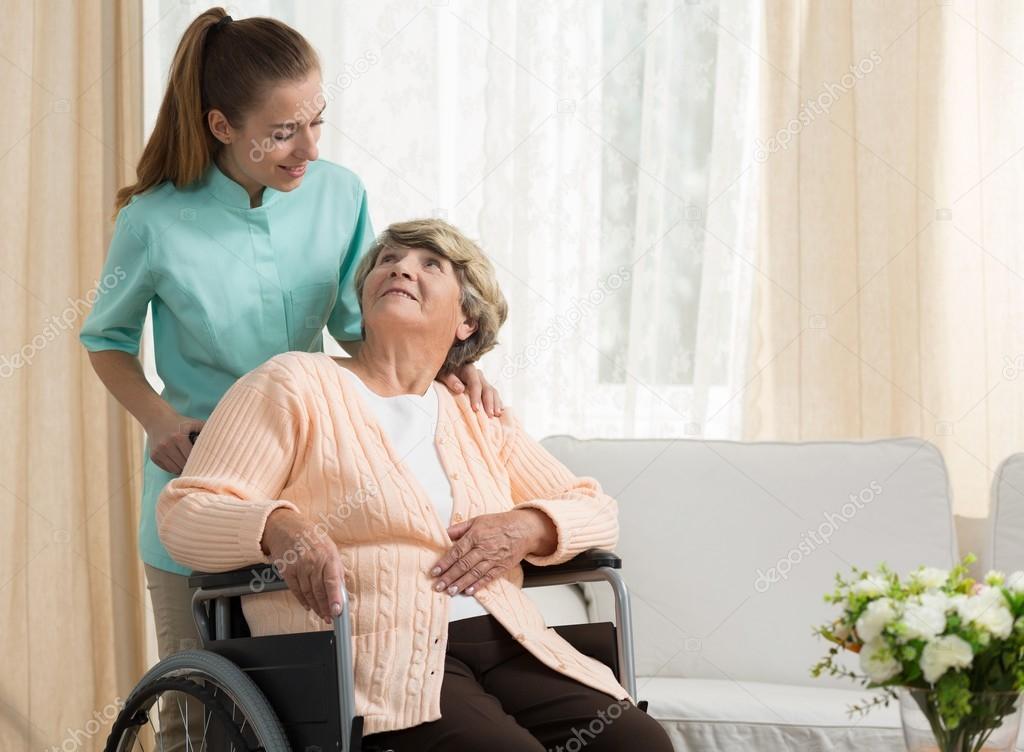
x=601, y=154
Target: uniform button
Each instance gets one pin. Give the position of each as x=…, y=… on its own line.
x=561, y=666
x=520, y=636
x=457, y=517
x=455, y=476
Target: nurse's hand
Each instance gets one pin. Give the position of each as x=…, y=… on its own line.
x=169, y=442
x=307, y=559
x=470, y=379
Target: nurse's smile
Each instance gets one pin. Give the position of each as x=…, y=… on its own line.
x=274, y=144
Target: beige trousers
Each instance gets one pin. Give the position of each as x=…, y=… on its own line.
x=175, y=631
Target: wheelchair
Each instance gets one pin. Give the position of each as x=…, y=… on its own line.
x=288, y=692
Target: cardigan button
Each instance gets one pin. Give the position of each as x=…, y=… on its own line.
x=455, y=476
x=457, y=517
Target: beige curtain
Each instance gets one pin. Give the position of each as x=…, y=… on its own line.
x=72, y=595
x=890, y=291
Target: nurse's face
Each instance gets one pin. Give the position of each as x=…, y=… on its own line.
x=277, y=140
x=415, y=292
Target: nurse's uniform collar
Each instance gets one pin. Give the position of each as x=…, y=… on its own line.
x=227, y=191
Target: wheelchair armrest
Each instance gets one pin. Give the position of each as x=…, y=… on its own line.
x=594, y=558
x=265, y=573
x=262, y=573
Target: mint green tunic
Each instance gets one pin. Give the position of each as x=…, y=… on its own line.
x=230, y=288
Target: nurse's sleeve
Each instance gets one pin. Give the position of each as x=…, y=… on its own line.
x=124, y=292
x=346, y=321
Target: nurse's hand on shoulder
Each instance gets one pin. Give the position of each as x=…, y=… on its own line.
x=471, y=380
x=169, y=442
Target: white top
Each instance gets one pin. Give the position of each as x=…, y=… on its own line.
x=410, y=422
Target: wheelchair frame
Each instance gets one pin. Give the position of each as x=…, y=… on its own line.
x=593, y=565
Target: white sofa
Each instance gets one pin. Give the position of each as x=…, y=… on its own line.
x=1004, y=527
x=1006, y=530
x=723, y=627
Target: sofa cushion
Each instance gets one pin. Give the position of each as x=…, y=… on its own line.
x=729, y=547
x=707, y=715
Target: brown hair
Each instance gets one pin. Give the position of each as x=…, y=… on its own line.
x=219, y=65
x=481, y=298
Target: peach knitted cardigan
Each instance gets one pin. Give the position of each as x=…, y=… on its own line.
x=296, y=433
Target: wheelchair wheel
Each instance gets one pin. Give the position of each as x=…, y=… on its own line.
x=219, y=707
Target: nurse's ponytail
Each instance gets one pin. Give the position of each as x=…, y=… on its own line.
x=220, y=64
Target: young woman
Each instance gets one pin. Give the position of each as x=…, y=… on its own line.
x=245, y=245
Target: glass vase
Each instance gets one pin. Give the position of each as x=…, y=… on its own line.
x=992, y=725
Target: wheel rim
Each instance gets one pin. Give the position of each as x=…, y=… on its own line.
x=185, y=698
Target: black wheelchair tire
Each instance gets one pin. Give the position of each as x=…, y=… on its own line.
x=228, y=678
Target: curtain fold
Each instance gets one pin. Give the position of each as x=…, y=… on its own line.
x=889, y=300
x=72, y=599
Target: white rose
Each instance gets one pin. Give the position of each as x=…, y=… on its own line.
x=1015, y=582
x=876, y=617
x=871, y=586
x=945, y=653
x=930, y=578
x=878, y=662
x=925, y=617
x=987, y=610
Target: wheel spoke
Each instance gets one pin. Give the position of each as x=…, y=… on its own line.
x=206, y=725
x=149, y=720
x=163, y=697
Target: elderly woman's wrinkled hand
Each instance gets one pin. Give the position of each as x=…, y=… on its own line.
x=307, y=560
x=488, y=546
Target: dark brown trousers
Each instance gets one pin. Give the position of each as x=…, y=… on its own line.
x=497, y=697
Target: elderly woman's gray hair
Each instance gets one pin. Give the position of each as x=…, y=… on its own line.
x=482, y=300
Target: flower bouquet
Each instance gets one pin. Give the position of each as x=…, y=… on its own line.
x=950, y=649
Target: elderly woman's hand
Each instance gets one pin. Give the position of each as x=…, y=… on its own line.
x=489, y=545
x=470, y=378
x=307, y=560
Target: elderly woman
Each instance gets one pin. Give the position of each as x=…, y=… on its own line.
x=350, y=471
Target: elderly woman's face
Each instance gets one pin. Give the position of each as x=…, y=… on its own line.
x=417, y=290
